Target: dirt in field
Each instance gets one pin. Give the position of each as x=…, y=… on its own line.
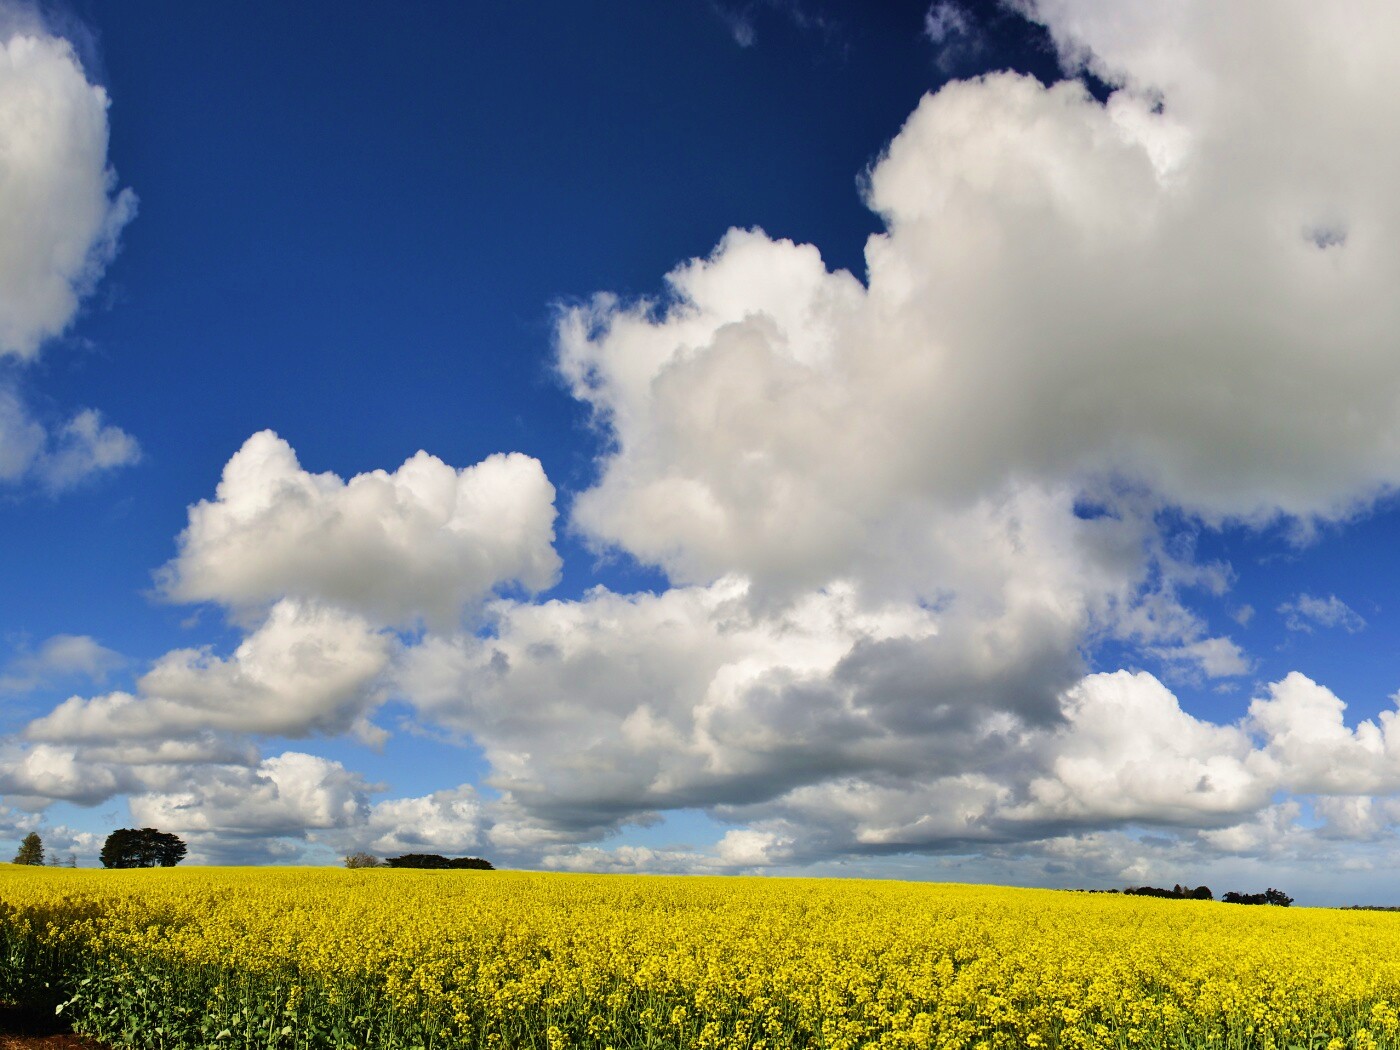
x=31, y=1028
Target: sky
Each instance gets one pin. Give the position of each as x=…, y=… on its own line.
x=789, y=437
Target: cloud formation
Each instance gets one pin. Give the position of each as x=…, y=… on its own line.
x=60, y=213
x=418, y=544
x=60, y=218
x=62, y=656
x=895, y=512
x=307, y=669
x=1304, y=612
x=60, y=458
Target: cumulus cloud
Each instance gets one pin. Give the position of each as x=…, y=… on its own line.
x=1083, y=320
x=1304, y=612
x=420, y=543
x=283, y=807
x=60, y=214
x=833, y=730
x=598, y=712
x=60, y=218
x=287, y=794
x=1066, y=292
x=44, y=773
x=308, y=669
x=449, y=822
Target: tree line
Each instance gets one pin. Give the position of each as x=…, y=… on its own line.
x=150, y=848
x=1277, y=898
x=124, y=848
x=430, y=861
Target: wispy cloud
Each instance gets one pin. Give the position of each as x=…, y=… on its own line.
x=741, y=19
x=64, y=656
x=1305, y=612
x=954, y=33
x=63, y=457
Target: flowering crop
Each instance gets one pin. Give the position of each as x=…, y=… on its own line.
x=262, y=957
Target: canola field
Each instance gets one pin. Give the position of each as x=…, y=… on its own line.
x=390, y=958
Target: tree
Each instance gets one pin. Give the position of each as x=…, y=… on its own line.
x=146, y=848
x=363, y=860
x=31, y=850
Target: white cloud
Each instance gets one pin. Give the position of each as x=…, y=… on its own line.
x=831, y=729
x=59, y=215
x=284, y=807
x=629, y=860
x=45, y=773
x=1214, y=657
x=59, y=657
x=449, y=822
x=288, y=794
x=83, y=447
x=895, y=513
x=308, y=669
x=1129, y=751
x=1304, y=612
x=422, y=542
x=1066, y=293
x=63, y=458
x=595, y=713
x=1314, y=749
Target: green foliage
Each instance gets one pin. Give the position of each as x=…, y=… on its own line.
x=146, y=848
x=31, y=850
x=439, y=863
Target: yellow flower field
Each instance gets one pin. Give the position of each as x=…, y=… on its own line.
x=333, y=958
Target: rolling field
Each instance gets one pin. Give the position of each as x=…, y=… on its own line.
x=393, y=958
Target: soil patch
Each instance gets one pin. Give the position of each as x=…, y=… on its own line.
x=35, y=1028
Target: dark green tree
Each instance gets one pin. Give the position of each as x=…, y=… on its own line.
x=433, y=860
x=146, y=848
x=31, y=850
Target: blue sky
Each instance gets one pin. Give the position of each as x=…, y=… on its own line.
x=949, y=441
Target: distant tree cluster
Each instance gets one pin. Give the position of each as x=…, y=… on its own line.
x=143, y=848
x=1176, y=893
x=1277, y=898
x=433, y=861
x=1270, y=896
